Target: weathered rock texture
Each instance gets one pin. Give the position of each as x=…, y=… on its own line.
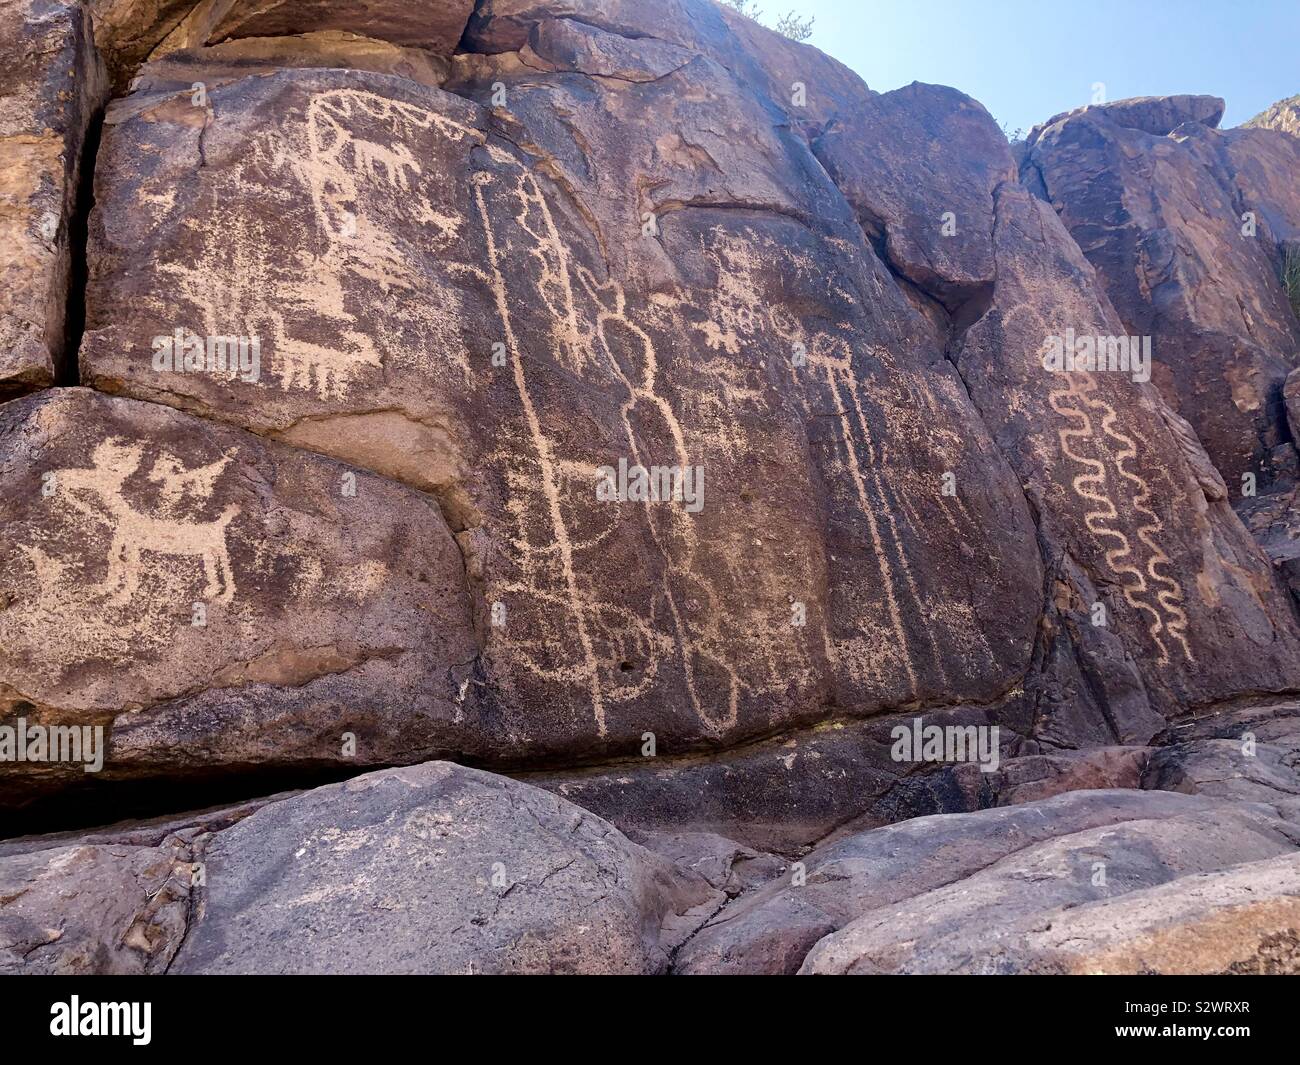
x=129, y=32
x=430, y=869
x=384, y=238
x=1185, y=225
x=960, y=892
x=216, y=601
x=1283, y=115
x=51, y=86
x=491, y=292
x=469, y=256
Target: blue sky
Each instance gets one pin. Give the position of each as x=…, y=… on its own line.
x=1026, y=61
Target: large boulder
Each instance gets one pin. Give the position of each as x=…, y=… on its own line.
x=956, y=885
x=1157, y=115
x=936, y=234
x=1182, y=247
x=216, y=602
x=1131, y=514
x=1193, y=894
x=491, y=325
x=51, y=86
x=430, y=869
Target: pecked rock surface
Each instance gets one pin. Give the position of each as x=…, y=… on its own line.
x=1183, y=224
x=383, y=238
x=493, y=290
x=215, y=601
x=1131, y=513
x=474, y=254
x=51, y=84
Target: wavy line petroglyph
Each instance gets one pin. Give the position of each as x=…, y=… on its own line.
x=96, y=492
x=1076, y=395
x=1170, y=596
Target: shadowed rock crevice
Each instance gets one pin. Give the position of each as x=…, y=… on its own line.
x=68, y=367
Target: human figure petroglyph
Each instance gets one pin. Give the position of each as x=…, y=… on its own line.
x=737, y=314
x=97, y=492
x=363, y=157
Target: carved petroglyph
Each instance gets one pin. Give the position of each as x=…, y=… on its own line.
x=97, y=493
x=882, y=492
x=593, y=331
x=395, y=161
x=1146, y=588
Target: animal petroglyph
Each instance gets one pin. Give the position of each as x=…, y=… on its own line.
x=395, y=161
x=97, y=493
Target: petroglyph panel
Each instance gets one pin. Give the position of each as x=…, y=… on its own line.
x=1183, y=586
x=212, y=599
x=398, y=258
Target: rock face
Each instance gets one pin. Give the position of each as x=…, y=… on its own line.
x=430, y=869
x=1131, y=513
x=51, y=85
x=213, y=600
x=1283, y=115
x=461, y=345
x=628, y=399
x=1181, y=222
x=130, y=31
